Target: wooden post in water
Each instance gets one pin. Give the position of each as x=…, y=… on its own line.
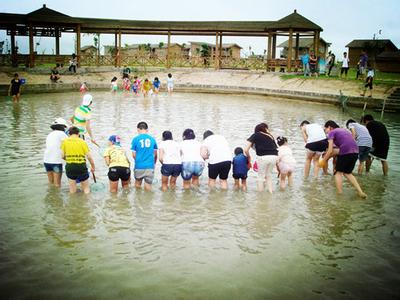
x=31, y=63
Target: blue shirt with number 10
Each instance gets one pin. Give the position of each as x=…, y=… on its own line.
x=144, y=146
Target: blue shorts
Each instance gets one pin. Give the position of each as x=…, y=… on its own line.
x=173, y=170
x=192, y=168
x=79, y=178
x=363, y=153
x=56, y=168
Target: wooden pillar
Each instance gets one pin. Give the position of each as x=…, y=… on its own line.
x=14, y=60
x=78, y=45
x=31, y=48
x=269, y=47
x=296, y=55
x=273, y=46
x=57, y=32
x=168, y=50
x=216, y=52
x=290, y=50
x=115, y=52
x=316, y=43
x=119, y=48
x=220, y=51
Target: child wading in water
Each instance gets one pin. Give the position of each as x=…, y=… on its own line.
x=136, y=85
x=240, y=168
x=286, y=162
x=114, y=84
x=118, y=163
x=156, y=85
x=83, y=89
x=146, y=87
x=170, y=84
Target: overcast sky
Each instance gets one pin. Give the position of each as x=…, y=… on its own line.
x=341, y=20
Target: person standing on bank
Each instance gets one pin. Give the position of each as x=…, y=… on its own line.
x=73, y=63
x=380, y=143
x=15, y=88
x=216, y=149
x=347, y=157
x=267, y=154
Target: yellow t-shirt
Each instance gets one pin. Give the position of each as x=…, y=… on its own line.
x=117, y=156
x=147, y=86
x=75, y=150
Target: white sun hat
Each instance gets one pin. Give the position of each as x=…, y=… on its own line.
x=60, y=121
x=87, y=99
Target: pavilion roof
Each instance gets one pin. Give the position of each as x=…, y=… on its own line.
x=303, y=42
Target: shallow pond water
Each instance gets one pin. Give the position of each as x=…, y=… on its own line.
x=305, y=242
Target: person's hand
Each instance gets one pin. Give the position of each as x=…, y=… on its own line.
x=92, y=169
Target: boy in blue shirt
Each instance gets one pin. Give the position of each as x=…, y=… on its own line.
x=240, y=168
x=144, y=152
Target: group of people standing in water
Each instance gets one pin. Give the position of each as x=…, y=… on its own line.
x=188, y=158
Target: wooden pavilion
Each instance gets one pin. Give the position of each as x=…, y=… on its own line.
x=50, y=23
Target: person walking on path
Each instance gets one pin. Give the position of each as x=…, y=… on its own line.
x=345, y=66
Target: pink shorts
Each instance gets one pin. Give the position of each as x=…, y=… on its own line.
x=285, y=168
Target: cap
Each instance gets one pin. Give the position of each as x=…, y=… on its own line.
x=60, y=121
x=115, y=139
x=87, y=99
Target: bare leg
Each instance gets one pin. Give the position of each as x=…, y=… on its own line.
x=290, y=178
x=147, y=186
x=50, y=177
x=172, y=182
x=307, y=166
x=354, y=182
x=224, y=184
x=316, y=164
x=244, y=185
x=260, y=185
x=57, y=179
x=360, y=168
x=211, y=183
x=368, y=164
x=195, y=180
x=125, y=184
x=339, y=182
x=85, y=186
x=164, y=183
x=72, y=186
x=113, y=186
x=268, y=179
x=138, y=183
x=385, y=167
x=237, y=185
x=282, y=181
x=186, y=184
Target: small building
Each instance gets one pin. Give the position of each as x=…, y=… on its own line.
x=388, y=62
x=305, y=45
x=89, y=50
x=373, y=49
x=228, y=50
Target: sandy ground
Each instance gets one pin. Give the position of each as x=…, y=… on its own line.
x=268, y=80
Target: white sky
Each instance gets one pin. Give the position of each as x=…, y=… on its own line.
x=341, y=20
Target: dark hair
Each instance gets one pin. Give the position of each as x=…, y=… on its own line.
x=146, y=79
x=57, y=65
x=59, y=127
x=305, y=122
x=142, y=125
x=135, y=77
x=169, y=75
x=16, y=75
x=349, y=121
x=332, y=124
x=188, y=134
x=167, y=135
x=155, y=78
x=207, y=133
x=114, y=79
x=262, y=127
x=73, y=130
x=281, y=140
x=238, y=150
x=73, y=55
x=367, y=118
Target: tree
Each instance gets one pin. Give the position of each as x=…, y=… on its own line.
x=205, y=50
x=161, y=45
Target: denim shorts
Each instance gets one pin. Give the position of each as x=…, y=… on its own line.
x=173, y=170
x=192, y=168
x=56, y=168
x=363, y=153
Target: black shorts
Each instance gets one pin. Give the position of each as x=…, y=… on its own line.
x=173, y=170
x=344, y=70
x=78, y=172
x=116, y=173
x=345, y=163
x=318, y=146
x=239, y=176
x=368, y=83
x=219, y=169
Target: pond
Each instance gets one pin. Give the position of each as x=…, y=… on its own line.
x=305, y=242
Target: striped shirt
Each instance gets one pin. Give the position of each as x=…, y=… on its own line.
x=363, y=138
x=81, y=116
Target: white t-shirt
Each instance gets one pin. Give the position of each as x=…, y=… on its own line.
x=345, y=63
x=218, y=148
x=172, y=152
x=52, y=154
x=170, y=82
x=315, y=133
x=190, y=150
x=285, y=155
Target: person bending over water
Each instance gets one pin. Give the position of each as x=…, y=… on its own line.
x=170, y=158
x=286, y=162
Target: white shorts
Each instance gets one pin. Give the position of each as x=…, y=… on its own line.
x=266, y=164
x=285, y=168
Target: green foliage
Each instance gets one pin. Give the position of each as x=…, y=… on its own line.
x=205, y=50
x=161, y=45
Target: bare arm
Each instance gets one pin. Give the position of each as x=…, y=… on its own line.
x=90, y=159
x=89, y=130
x=161, y=158
x=329, y=151
x=247, y=150
x=134, y=155
x=107, y=159
x=304, y=134
x=353, y=132
x=204, y=152
x=155, y=156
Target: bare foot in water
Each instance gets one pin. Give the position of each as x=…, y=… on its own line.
x=362, y=195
